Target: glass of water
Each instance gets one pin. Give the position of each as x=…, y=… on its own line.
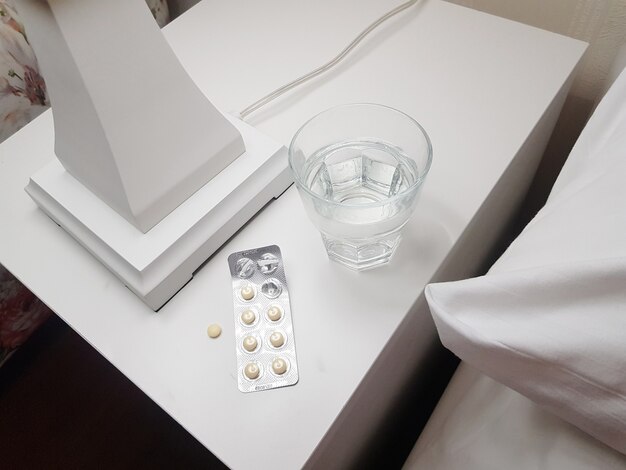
x=359, y=169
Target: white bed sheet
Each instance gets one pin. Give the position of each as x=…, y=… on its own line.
x=480, y=424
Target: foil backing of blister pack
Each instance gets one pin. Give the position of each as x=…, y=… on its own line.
x=259, y=285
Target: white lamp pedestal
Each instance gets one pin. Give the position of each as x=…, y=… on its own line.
x=149, y=176
x=156, y=264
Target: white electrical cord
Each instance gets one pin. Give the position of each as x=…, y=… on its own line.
x=304, y=78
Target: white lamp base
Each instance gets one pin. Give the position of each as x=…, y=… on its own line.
x=157, y=264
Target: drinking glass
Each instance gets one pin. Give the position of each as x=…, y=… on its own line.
x=359, y=169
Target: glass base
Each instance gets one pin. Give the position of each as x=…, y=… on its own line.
x=360, y=255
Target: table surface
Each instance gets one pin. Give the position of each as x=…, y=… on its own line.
x=477, y=83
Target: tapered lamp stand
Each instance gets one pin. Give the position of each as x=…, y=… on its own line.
x=146, y=173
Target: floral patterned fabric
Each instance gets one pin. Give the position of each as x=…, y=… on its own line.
x=22, y=90
x=21, y=313
x=22, y=98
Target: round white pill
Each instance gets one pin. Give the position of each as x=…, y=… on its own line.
x=277, y=339
x=274, y=313
x=252, y=370
x=214, y=331
x=279, y=366
x=250, y=343
x=248, y=317
x=247, y=292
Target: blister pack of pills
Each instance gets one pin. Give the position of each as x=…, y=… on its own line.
x=265, y=346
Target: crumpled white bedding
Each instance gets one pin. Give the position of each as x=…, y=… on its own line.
x=549, y=319
x=480, y=424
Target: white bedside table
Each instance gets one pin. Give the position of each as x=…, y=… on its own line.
x=487, y=90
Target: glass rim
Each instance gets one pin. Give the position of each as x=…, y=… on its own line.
x=413, y=188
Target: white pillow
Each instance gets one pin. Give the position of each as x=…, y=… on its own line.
x=549, y=319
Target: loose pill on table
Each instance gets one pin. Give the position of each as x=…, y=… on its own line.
x=214, y=330
x=279, y=366
x=247, y=292
x=252, y=370
x=248, y=317
x=274, y=313
x=277, y=339
x=250, y=343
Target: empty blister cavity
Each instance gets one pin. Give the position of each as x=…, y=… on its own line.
x=244, y=268
x=268, y=263
x=271, y=288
